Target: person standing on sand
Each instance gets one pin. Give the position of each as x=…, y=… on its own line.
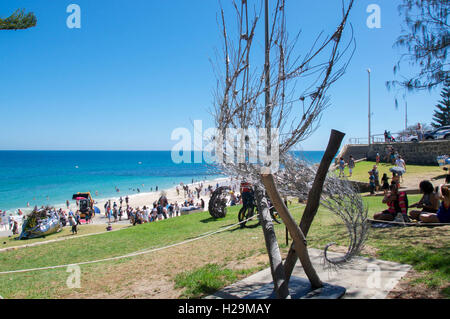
x=177, y=209
x=78, y=218
x=144, y=214
x=87, y=217
x=154, y=213
x=73, y=224
x=115, y=213
x=164, y=212
x=15, y=229
x=67, y=204
x=10, y=221
x=170, y=210
x=159, y=212
x=108, y=213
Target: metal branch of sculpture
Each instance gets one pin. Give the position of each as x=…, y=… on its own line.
x=341, y=198
x=283, y=102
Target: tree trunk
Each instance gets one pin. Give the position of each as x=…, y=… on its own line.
x=276, y=263
x=313, y=202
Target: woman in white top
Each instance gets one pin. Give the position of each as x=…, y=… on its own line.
x=154, y=213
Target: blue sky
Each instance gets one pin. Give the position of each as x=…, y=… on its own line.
x=138, y=69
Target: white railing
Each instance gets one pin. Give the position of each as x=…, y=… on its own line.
x=364, y=140
x=379, y=138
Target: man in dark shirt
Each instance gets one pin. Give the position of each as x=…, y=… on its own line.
x=247, y=194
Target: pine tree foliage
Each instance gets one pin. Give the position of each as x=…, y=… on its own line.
x=441, y=116
x=426, y=37
x=19, y=20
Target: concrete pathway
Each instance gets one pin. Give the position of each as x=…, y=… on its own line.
x=364, y=278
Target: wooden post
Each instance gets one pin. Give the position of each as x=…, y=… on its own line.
x=287, y=237
x=313, y=203
x=298, y=238
x=276, y=262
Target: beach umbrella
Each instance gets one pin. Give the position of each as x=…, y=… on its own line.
x=96, y=210
x=397, y=170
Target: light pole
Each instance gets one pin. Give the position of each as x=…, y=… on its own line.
x=368, y=72
x=406, y=115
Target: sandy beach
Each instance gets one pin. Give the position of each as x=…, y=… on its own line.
x=147, y=199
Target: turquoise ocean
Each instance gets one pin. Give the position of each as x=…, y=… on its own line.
x=51, y=177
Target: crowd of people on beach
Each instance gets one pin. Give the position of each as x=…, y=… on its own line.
x=122, y=209
x=160, y=209
x=12, y=222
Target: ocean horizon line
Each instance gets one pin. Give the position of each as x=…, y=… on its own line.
x=112, y=150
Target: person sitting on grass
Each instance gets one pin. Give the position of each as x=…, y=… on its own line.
x=443, y=213
x=429, y=203
x=397, y=203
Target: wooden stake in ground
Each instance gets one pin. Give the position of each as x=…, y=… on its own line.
x=299, y=241
x=313, y=202
x=276, y=263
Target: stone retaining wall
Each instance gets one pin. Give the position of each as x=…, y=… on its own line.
x=418, y=153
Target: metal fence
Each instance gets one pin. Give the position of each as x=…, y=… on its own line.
x=380, y=138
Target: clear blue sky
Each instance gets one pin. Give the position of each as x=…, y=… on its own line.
x=138, y=69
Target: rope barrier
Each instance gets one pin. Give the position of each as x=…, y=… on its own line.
x=133, y=254
x=136, y=253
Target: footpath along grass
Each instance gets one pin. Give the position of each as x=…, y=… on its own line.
x=201, y=268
